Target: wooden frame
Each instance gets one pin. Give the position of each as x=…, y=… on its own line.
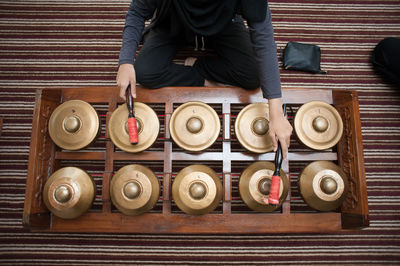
x=45, y=156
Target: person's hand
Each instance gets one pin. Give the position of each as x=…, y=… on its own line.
x=126, y=75
x=279, y=127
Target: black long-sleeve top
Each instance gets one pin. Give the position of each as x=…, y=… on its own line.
x=261, y=34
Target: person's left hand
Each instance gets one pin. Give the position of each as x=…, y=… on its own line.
x=279, y=127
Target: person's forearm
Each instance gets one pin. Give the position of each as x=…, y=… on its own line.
x=262, y=37
x=139, y=12
x=275, y=108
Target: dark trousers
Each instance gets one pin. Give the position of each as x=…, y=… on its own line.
x=234, y=62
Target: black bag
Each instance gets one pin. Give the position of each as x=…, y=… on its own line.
x=301, y=56
x=386, y=58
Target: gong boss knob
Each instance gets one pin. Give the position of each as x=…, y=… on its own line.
x=69, y=192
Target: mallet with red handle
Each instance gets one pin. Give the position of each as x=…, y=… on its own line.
x=132, y=127
x=273, y=197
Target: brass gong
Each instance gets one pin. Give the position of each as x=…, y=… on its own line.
x=69, y=192
x=252, y=126
x=194, y=126
x=147, y=123
x=254, y=186
x=73, y=125
x=318, y=125
x=323, y=185
x=134, y=189
x=197, y=190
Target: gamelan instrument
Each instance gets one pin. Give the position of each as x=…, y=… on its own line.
x=323, y=185
x=318, y=125
x=134, y=189
x=197, y=190
x=255, y=186
x=69, y=192
x=147, y=125
x=194, y=126
x=132, y=126
x=252, y=126
x=73, y=125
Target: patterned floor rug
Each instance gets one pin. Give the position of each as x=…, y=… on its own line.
x=74, y=43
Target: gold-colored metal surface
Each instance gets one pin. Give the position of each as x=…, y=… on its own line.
x=323, y=185
x=73, y=125
x=197, y=190
x=318, y=125
x=328, y=185
x=254, y=186
x=134, y=189
x=264, y=186
x=194, y=126
x=260, y=126
x=252, y=126
x=147, y=123
x=63, y=193
x=69, y=192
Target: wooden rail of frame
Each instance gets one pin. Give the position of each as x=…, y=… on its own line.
x=45, y=158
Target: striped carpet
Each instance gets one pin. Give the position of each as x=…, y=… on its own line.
x=74, y=43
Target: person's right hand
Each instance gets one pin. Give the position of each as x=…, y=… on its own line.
x=279, y=127
x=126, y=75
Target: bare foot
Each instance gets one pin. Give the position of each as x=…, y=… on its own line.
x=209, y=83
x=190, y=61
